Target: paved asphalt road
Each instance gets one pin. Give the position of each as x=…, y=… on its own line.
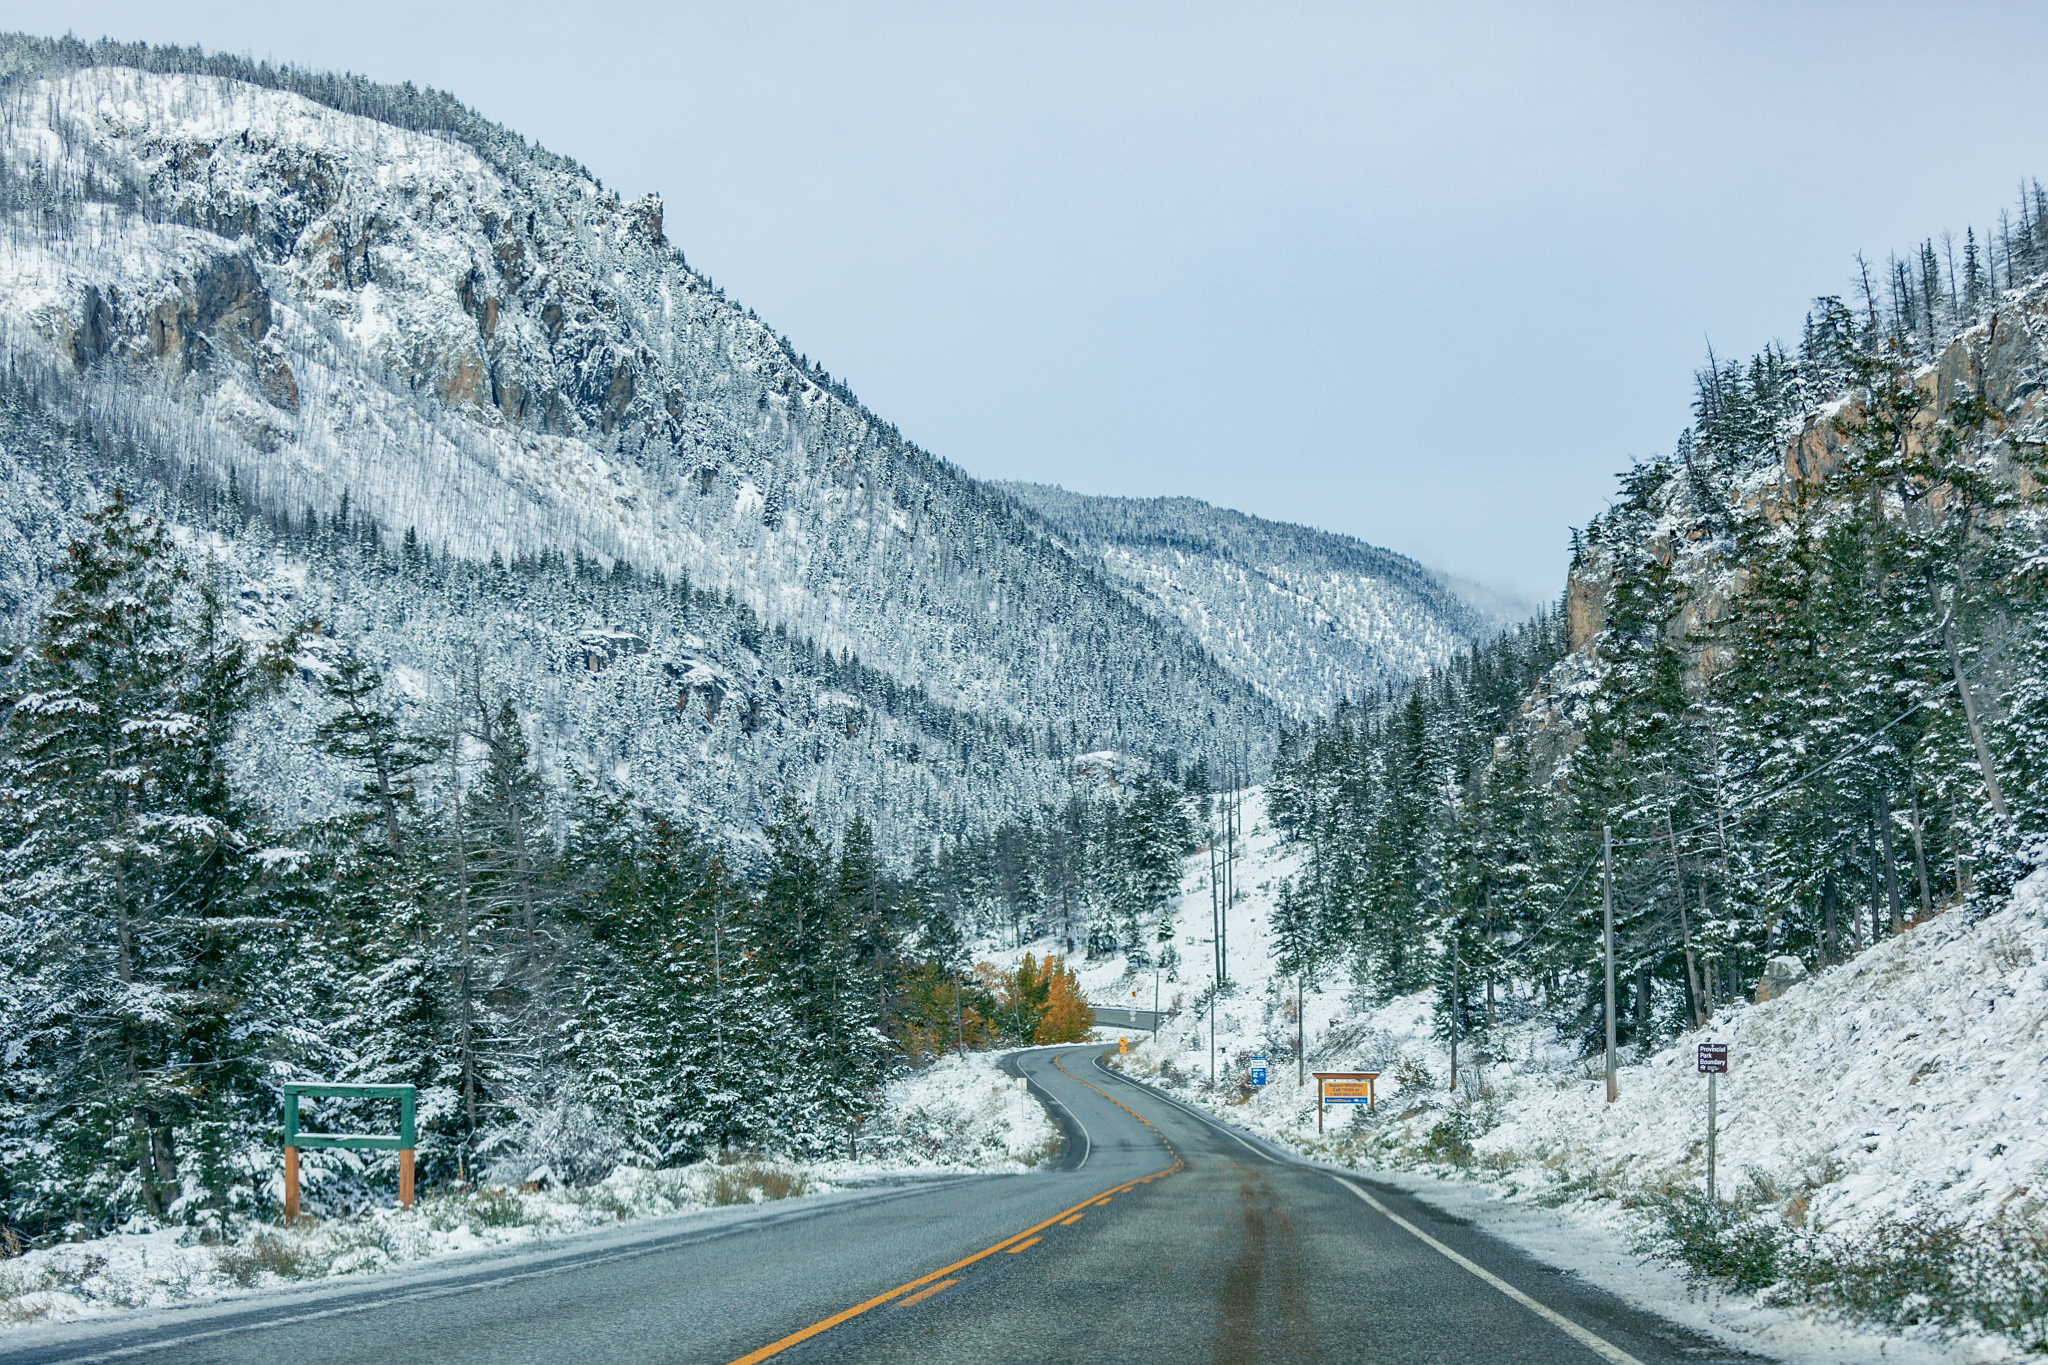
x=1163, y=1238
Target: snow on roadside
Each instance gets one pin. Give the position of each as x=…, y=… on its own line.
x=959, y=1116
x=1906, y=1083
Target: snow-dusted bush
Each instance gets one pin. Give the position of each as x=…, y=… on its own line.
x=561, y=1141
x=1927, y=1269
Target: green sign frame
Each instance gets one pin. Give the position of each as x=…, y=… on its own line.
x=296, y=1141
x=406, y=1095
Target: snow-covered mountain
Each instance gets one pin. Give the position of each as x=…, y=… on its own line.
x=297, y=312
x=1308, y=616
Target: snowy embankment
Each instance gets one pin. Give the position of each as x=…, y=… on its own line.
x=1883, y=1155
x=958, y=1116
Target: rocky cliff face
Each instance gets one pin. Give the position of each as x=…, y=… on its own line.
x=2003, y=360
x=1684, y=522
x=550, y=320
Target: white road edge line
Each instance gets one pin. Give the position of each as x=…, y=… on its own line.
x=1089, y=1149
x=1603, y=1348
x=344, y=1310
x=1598, y=1345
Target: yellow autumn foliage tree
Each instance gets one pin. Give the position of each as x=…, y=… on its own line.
x=936, y=1013
x=1038, y=1002
x=1067, y=1018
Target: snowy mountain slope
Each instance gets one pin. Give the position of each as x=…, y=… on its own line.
x=677, y=694
x=1903, y=1080
x=470, y=343
x=1308, y=616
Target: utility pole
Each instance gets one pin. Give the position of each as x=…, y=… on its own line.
x=1607, y=901
x=718, y=983
x=1232, y=819
x=1215, y=908
x=1697, y=999
x=1229, y=851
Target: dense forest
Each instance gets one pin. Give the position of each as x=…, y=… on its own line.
x=1800, y=692
x=572, y=981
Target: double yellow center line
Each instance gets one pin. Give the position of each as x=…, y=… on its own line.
x=925, y=1286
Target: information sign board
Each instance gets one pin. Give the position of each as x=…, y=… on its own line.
x=1258, y=1071
x=1342, y=1087
x=1714, y=1058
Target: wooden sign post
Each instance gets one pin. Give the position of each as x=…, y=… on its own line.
x=407, y=1097
x=1343, y=1087
x=1714, y=1063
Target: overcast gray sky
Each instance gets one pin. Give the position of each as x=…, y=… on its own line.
x=1426, y=275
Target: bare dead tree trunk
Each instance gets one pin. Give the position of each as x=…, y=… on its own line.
x=139, y=1117
x=466, y=959
x=389, y=800
x=1831, y=935
x=1992, y=790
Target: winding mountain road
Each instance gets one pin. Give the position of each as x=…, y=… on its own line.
x=1163, y=1237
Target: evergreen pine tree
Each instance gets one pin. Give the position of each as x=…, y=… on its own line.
x=136, y=894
